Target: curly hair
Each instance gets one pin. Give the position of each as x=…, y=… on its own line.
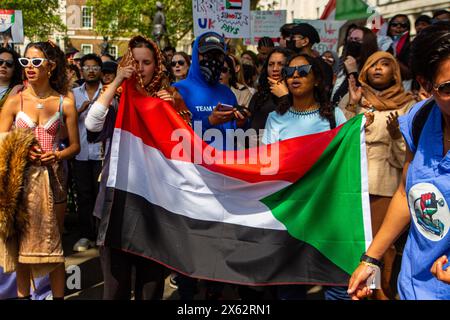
x=429, y=49
x=18, y=71
x=321, y=94
x=58, y=79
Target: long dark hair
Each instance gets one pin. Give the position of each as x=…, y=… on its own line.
x=321, y=94
x=18, y=72
x=263, y=91
x=58, y=79
x=408, y=23
x=369, y=46
x=233, y=78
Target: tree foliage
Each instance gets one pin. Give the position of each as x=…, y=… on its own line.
x=117, y=18
x=40, y=18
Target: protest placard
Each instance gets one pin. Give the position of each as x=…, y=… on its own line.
x=230, y=18
x=328, y=31
x=266, y=24
x=11, y=26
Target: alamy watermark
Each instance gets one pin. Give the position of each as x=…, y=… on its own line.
x=248, y=148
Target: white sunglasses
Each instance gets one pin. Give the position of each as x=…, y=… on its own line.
x=35, y=62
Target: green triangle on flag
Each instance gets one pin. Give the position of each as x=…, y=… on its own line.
x=351, y=10
x=324, y=208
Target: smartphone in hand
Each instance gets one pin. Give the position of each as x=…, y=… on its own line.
x=224, y=107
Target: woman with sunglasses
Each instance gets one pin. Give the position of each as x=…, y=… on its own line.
x=306, y=110
x=10, y=74
x=43, y=108
x=381, y=92
x=398, y=30
x=421, y=199
x=180, y=65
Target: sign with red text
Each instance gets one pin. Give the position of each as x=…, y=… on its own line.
x=267, y=24
x=11, y=26
x=328, y=31
x=230, y=18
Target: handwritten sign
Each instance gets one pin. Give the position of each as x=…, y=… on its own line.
x=267, y=24
x=328, y=32
x=230, y=18
x=11, y=26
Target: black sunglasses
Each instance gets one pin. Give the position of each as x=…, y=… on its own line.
x=225, y=69
x=443, y=89
x=180, y=62
x=288, y=72
x=7, y=63
x=399, y=24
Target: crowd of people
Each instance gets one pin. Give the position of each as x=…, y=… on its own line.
x=69, y=104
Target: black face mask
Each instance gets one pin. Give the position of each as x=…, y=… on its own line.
x=290, y=44
x=354, y=49
x=211, y=68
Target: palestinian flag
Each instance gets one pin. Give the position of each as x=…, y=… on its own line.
x=345, y=10
x=296, y=214
x=234, y=4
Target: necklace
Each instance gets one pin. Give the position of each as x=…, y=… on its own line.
x=40, y=105
x=303, y=113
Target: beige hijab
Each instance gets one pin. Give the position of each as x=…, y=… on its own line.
x=394, y=97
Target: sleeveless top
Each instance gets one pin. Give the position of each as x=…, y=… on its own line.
x=428, y=192
x=48, y=133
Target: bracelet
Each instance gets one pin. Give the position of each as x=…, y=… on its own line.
x=365, y=258
x=369, y=264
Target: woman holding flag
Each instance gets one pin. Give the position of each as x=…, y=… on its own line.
x=142, y=68
x=421, y=199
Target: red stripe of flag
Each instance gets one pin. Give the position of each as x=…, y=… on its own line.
x=154, y=120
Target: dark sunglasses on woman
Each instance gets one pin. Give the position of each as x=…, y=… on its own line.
x=399, y=24
x=35, y=62
x=7, y=63
x=443, y=89
x=180, y=62
x=288, y=72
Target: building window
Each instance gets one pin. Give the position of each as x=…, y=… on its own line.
x=87, y=48
x=112, y=50
x=86, y=17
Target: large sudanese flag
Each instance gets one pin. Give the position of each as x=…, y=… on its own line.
x=296, y=213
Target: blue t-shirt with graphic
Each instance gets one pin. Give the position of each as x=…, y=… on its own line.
x=428, y=192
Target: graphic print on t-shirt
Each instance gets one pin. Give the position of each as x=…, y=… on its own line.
x=429, y=211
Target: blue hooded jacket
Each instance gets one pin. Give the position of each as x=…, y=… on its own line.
x=201, y=97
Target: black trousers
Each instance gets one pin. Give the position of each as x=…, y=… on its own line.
x=85, y=176
x=117, y=269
